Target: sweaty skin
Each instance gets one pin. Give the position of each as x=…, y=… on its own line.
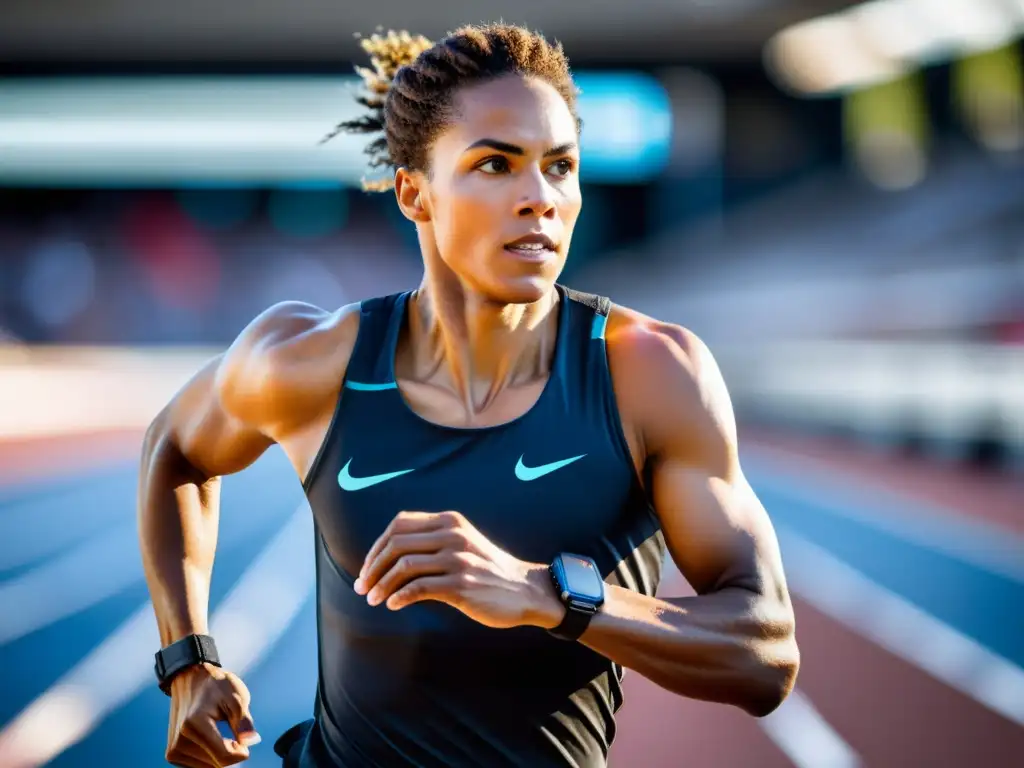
x=476, y=352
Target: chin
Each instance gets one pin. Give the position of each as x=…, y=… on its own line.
x=520, y=290
x=519, y=283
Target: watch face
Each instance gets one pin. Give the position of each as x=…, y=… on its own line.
x=582, y=578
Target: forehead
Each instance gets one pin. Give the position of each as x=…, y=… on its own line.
x=524, y=111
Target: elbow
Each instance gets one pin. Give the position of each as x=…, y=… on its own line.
x=157, y=437
x=162, y=459
x=773, y=675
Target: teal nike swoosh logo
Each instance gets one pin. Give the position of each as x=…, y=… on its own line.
x=526, y=474
x=349, y=483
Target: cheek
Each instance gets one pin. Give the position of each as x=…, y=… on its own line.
x=470, y=219
x=570, y=206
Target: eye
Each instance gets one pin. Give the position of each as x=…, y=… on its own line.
x=561, y=168
x=494, y=165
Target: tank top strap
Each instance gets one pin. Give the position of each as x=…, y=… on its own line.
x=585, y=359
x=372, y=365
x=600, y=307
x=585, y=367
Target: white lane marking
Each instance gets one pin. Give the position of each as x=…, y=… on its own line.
x=41, y=525
x=72, y=482
x=80, y=578
x=920, y=639
x=72, y=582
x=64, y=515
x=250, y=619
x=805, y=736
x=980, y=544
x=796, y=727
x=268, y=597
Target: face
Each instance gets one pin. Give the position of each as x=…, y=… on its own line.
x=503, y=193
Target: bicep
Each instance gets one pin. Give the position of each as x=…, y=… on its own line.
x=201, y=426
x=280, y=374
x=716, y=529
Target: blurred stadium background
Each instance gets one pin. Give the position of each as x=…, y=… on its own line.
x=830, y=193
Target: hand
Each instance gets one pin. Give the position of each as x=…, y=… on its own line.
x=200, y=697
x=443, y=557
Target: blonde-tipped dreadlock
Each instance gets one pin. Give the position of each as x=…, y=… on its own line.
x=411, y=82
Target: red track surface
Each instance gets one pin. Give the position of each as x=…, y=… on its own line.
x=889, y=712
x=996, y=498
x=31, y=459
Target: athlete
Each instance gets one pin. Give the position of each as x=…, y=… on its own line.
x=495, y=464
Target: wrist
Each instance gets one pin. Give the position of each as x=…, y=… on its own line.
x=182, y=655
x=578, y=584
x=190, y=677
x=544, y=608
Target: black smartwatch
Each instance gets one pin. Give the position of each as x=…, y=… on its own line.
x=180, y=655
x=581, y=590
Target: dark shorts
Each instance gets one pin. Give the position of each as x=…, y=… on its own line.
x=289, y=746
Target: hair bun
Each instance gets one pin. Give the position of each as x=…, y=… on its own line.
x=388, y=54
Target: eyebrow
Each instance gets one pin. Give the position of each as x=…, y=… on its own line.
x=512, y=149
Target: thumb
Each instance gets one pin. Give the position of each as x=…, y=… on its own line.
x=245, y=730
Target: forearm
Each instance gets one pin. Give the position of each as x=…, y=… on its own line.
x=732, y=647
x=178, y=512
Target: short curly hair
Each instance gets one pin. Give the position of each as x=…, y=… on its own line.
x=412, y=83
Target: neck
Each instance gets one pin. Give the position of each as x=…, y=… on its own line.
x=476, y=347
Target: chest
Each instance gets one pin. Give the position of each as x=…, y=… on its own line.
x=535, y=488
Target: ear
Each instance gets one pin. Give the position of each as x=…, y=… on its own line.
x=410, y=192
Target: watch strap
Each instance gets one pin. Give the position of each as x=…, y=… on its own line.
x=574, y=624
x=578, y=612
x=189, y=651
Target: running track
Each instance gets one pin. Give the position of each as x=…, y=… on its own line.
x=909, y=583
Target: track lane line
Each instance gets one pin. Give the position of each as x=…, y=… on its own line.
x=801, y=731
x=879, y=615
x=976, y=543
x=715, y=734
x=273, y=588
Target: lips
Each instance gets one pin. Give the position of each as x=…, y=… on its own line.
x=533, y=240
x=532, y=246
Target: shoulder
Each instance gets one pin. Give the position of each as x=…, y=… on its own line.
x=672, y=359
x=291, y=331
x=635, y=339
x=669, y=386
x=290, y=354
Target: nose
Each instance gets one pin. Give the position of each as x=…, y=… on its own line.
x=536, y=197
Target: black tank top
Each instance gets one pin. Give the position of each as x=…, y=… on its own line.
x=426, y=686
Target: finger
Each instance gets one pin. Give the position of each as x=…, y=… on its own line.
x=444, y=589
x=203, y=731
x=244, y=729
x=234, y=706
x=189, y=755
x=185, y=762
x=403, y=522
x=397, y=546
x=186, y=752
x=405, y=569
x=188, y=762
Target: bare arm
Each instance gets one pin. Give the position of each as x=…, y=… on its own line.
x=734, y=642
x=276, y=384
x=187, y=448
x=239, y=404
